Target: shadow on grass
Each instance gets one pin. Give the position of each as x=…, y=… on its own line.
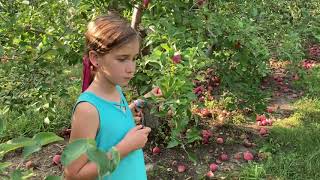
x=294, y=144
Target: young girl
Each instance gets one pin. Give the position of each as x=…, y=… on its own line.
x=102, y=112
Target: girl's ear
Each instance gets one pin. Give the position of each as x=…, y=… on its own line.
x=93, y=56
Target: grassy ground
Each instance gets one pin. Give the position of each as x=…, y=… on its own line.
x=294, y=142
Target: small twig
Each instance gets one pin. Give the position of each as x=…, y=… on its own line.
x=136, y=16
x=193, y=6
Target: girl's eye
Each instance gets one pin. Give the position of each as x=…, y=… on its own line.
x=121, y=60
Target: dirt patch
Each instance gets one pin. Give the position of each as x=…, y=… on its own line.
x=42, y=160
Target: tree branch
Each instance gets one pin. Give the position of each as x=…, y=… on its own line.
x=136, y=16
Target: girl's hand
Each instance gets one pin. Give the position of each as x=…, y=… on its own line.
x=138, y=116
x=136, y=138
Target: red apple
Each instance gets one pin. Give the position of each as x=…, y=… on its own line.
x=29, y=165
x=247, y=156
x=219, y=140
x=264, y=122
x=263, y=131
x=156, y=150
x=205, y=112
x=206, y=133
x=176, y=58
x=145, y=3
x=56, y=159
x=181, y=168
x=224, y=157
x=200, y=2
x=205, y=140
x=210, y=174
x=213, y=167
x=269, y=110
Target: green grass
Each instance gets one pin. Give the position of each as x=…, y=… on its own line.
x=294, y=142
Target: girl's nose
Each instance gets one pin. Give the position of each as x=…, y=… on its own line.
x=131, y=67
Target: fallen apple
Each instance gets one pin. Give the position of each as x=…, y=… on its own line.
x=224, y=157
x=264, y=122
x=156, y=150
x=263, y=131
x=210, y=174
x=201, y=99
x=206, y=113
x=269, y=110
x=56, y=159
x=29, y=165
x=213, y=167
x=248, y=156
x=181, y=168
x=219, y=140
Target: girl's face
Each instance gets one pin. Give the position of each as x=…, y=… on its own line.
x=119, y=65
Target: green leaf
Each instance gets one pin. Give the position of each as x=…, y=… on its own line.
x=28, y=150
x=100, y=158
x=5, y=148
x=107, y=162
x=14, y=144
x=19, y=174
x=53, y=178
x=75, y=149
x=24, y=141
x=166, y=47
x=26, y=2
x=173, y=143
x=44, y=138
x=193, y=135
x=16, y=175
x=115, y=158
x=192, y=157
x=1, y=51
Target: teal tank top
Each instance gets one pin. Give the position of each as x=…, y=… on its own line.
x=114, y=123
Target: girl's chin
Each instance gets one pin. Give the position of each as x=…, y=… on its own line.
x=123, y=83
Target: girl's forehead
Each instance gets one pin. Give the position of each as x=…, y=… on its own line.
x=127, y=49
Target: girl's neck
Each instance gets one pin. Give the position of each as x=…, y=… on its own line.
x=102, y=86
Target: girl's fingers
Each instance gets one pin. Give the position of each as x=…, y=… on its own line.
x=138, y=114
x=137, y=119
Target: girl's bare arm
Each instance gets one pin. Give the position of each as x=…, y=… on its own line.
x=85, y=123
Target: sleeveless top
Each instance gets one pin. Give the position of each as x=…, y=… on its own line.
x=114, y=123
